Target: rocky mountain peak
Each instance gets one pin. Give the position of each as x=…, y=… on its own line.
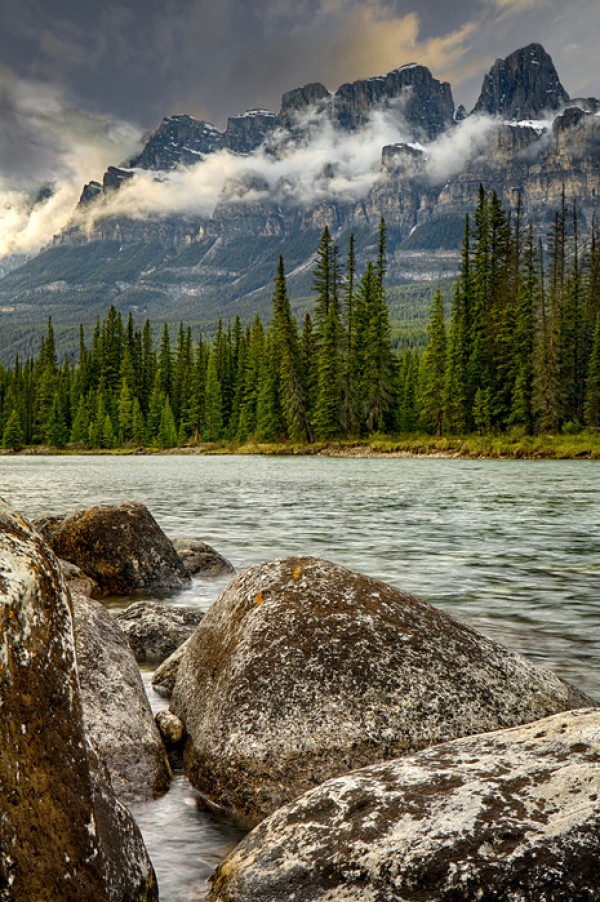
x=525, y=85
x=425, y=103
x=178, y=139
x=300, y=100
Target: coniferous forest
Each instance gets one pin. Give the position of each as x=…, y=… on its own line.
x=515, y=350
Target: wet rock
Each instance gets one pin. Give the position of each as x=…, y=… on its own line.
x=303, y=670
x=164, y=677
x=170, y=728
x=511, y=816
x=117, y=714
x=47, y=524
x=201, y=559
x=121, y=547
x=63, y=834
x=77, y=580
x=156, y=630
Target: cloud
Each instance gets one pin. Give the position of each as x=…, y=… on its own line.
x=327, y=165
x=46, y=142
x=448, y=154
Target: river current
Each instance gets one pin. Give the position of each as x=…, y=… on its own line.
x=512, y=547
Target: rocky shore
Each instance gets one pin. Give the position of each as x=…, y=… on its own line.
x=379, y=748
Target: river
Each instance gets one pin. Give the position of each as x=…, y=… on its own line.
x=513, y=547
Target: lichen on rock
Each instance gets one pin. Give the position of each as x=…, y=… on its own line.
x=63, y=834
x=303, y=670
x=509, y=816
x=121, y=547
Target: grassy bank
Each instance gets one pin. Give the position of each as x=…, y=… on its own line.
x=584, y=446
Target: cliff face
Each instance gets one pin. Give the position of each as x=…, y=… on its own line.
x=295, y=171
x=525, y=85
x=425, y=103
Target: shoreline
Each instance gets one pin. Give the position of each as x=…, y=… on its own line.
x=585, y=446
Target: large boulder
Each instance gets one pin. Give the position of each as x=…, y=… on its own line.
x=201, y=559
x=303, y=670
x=511, y=816
x=117, y=715
x=156, y=630
x=121, y=547
x=63, y=834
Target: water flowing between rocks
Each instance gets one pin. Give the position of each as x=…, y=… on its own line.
x=513, y=547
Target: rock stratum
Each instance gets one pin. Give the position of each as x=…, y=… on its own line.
x=394, y=145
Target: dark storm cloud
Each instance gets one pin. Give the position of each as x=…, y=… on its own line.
x=79, y=82
x=142, y=59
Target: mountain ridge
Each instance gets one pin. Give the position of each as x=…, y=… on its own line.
x=525, y=137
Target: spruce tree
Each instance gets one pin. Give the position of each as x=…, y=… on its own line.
x=435, y=368
x=12, y=436
x=213, y=402
x=287, y=353
x=56, y=430
x=592, y=388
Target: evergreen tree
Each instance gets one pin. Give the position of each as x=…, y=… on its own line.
x=287, y=353
x=435, y=368
x=56, y=429
x=592, y=395
x=213, y=404
x=12, y=436
x=167, y=432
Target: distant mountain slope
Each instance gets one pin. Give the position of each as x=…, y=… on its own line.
x=191, y=227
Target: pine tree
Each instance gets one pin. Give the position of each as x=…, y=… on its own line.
x=12, y=436
x=56, y=429
x=592, y=393
x=213, y=404
x=81, y=423
x=373, y=354
x=328, y=408
x=287, y=354
x=167, y=432
x=435, y=368
x=125, y=411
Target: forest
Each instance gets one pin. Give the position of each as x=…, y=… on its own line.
x=516, y=350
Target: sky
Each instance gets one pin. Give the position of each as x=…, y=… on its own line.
x=80, y=83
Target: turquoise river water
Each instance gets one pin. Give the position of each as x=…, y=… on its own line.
x=512, y=547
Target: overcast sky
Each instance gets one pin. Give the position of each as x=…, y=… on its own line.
x=81, y=81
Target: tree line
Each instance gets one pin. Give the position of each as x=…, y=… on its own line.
x=520, y=351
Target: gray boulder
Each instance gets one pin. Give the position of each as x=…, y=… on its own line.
x=156, y=630
x=164, y=677
x=303, y=670
x=121, y=547
x=511, y=816
x=201, y=559
x=63, y=834
x=117, y=715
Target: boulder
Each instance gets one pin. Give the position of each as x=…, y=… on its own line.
x=201, y=559
x=171, y=728
x=164, y=677
x=156, y=630
x=63, y=834
x=510, y=816
x=47, y=524
x=303, y=670
x=117, y=715
x=121, y=547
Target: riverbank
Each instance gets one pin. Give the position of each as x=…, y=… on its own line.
x=583, y=446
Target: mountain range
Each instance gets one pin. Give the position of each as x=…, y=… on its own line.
x=191, y=227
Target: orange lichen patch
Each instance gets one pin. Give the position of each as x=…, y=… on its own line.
x=297, y=573
x=11, y=614
x=259, y=598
